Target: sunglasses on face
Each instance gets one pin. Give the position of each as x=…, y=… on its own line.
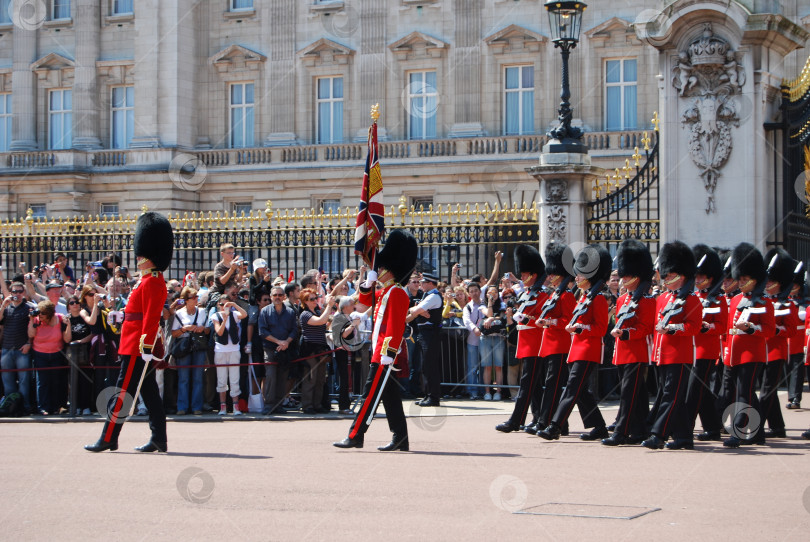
x=73, y=302
x=277, y=295
x=17, y=291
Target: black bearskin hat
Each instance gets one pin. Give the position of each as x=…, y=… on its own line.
x=708, y=262
x=154, y=239
x=676, y=257
x=782, y=269
x=398, y=255
x=747, y=260
x=559, y=259
x=594, y=263
x=799, y=274
x=633, y=260
x=528, y=260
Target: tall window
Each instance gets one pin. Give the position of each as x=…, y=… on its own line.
x=620, y=94
x=122, y=7
x=60, y=9
x=331, y=258
x=422, y=104
x=108, y=210
x=123, y=116
x=241, y=112
x=519, y=100
x=241, y=4
x=330, y=109
x=60, y=118
x=5, y=18
x=5, y=121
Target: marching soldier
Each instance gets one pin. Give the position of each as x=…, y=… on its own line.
x=786, y=318
x=635, y=322
x=395, y=262
x=795, y=369
x=587, y=327
x=428, y=316
x=678, y=321
x=708, y=343
x=153, y=245
x=532, y=272
x=727, y=390
x=750, y=324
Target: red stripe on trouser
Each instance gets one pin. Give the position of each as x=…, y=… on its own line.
x=632, y=402
x=672, y=406
x=119, y=403
x=369, y=402
x=529, y=391
x=576, y=395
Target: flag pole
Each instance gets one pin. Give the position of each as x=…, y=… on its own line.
x=375, y=114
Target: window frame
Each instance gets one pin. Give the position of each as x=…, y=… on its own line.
x=249, y=139
x=424, y=96
x=126, y=108
x=5, y=17
x=6, y=119
x=115, y=13
x=63, y=112
x=53, y=6
x=109, y=214
x=331, y=101
x=35, y=215
x=519, y=91
x=237, y=207
x=233, y=9
x=622, y=85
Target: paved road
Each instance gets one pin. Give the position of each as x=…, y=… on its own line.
x=282, y=480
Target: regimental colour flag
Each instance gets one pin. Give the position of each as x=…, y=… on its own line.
x=371, y=218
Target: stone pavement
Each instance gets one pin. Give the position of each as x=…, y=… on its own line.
x=280, y=479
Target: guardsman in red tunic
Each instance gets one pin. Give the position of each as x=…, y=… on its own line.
x=678, y=320
x=750, y=324
x=708, y=343
x=395, y=262
x=635, y=322
x=795, y=369
x=588, y=326
x=555, y=314
x=153, y=245
x=532, y=272
x=786, y=318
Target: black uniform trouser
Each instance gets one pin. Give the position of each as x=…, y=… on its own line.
x=699, y=398
x=633, y=400
x=120, y=403
x=728, y=390
x=768, y=396
x=671, y=416
x=796, y=377
x=391, y=400
x=529, y=392
x=428, y=343
x=577, y=393
x=556, y=374
x=746, y=426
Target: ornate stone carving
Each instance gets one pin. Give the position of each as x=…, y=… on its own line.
x=557, y=190
x=556, y=224
x=709, y=73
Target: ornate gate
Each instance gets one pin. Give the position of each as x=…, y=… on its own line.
x=625, y=204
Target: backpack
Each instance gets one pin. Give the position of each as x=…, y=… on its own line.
x=11, y=406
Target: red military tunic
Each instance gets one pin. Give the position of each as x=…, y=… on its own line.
x=786, y=319
x=530, y=335
x=635, y=348
x=806, y=338
x=389, y=319
x=744, y=347
x=709, y=342
x=555, y=339
x=587, y=345
x=142, y=314
x=678, y=347
x=796, y=341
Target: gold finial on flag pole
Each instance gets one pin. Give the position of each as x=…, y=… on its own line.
x=375, y=112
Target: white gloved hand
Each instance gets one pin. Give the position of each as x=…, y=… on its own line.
x=248, y=348
x=146, y=357
x=519, y=317
x=386, y=360
x=371, y=278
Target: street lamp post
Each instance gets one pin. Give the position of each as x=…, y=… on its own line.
x=566, y=22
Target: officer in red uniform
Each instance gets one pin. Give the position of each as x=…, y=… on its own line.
x=750, y=324
x=786, y=318
x=635, y=322
x=678, y=320
x=532, y=272
x=795, y=369
x=708, y=343
x=153, y=245
x=588, y=326
x=395, y=263
x=555, y=314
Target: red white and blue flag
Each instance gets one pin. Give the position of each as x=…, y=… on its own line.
x=371, y=218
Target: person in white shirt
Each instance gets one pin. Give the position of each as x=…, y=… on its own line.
x=473, y=316
x=227, y=351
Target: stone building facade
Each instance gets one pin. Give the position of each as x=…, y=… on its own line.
x=220, y=105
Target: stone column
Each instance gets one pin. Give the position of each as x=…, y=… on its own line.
x=85, y=84
x=370, y=66
x=466, y=74
x=24, y=119
x=278, y=102
x=147, y=47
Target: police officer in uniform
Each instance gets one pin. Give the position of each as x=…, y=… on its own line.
x=428, y=316
x=153, y=245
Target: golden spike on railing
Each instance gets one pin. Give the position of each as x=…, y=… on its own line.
x=627, y=169
x=636, y=157
x=646, y=141
x=655, y=120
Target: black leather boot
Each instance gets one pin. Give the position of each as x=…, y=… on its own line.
x=153, y=446
x=506, y=427
x=552, y=432
x=102, y=445
x=397, y=443
x=595, y=434
x=349, y=443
